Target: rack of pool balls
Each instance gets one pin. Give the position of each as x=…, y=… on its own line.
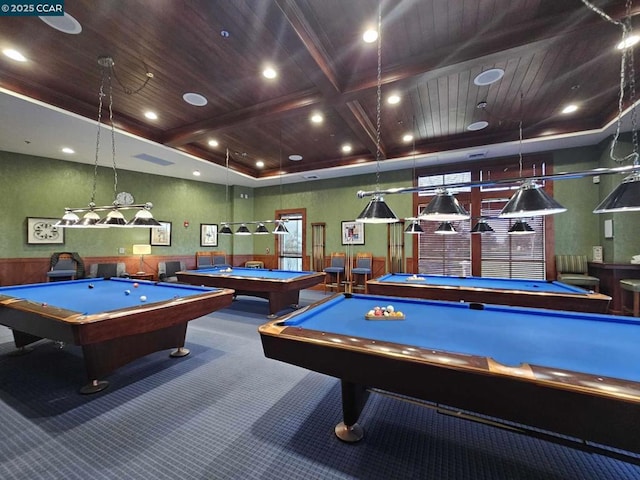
x=384, y=313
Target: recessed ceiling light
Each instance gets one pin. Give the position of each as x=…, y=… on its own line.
x=346, y=148
x=213, y=143
x=196, y=173
x=477, y=126
x=393, y=99
x=259, y=164
x=488, y=76
x=225, y=33
x=630, y=41
x=370, y=35
x=68, y=150
x=65, y=23
x=151, y=115
x=269, y=72
x=407, y=138
x=295, y=158
x=14, y=55
x=317, y=118
x=570, y=108
x=194, y=99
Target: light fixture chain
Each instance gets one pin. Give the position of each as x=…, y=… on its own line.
x=626, y=58
x=378, y=95
x=99, y=125
x=113, y=133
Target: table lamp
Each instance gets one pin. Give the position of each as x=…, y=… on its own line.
x=141, y=250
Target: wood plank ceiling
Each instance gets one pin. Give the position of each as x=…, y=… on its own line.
x=553, y=52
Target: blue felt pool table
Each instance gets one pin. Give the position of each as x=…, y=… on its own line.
x=503, y=291
x=113, y=327
x=570, y=373
x=280, y=287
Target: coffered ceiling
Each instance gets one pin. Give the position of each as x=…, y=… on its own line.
x=553, y=53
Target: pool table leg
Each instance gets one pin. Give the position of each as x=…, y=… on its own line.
x=354, y=398
x=280, y=300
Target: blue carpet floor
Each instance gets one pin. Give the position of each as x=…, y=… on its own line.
x=226, y=412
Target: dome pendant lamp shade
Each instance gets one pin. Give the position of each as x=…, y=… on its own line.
x=144, y=218
x=414, y=227
x=482, y=227
x=69, y=219
x=89, y=219
x=530, y=201
x=377, y=211
x=280, y=229
x=520, y=227
x=243, y=230
x=225, y=230
x=113, y=219
x=445, y=228
x=624, y=198
x=444, y=207
x=261, y=230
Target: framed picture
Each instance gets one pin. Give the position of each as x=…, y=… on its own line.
x=208, y=235
x=352, y=233
x=43, y=230
x=161, y=236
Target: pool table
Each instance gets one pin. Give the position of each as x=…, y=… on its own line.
x=503, y=291
x=113, y=327
x=280, y=287
x=568, y=373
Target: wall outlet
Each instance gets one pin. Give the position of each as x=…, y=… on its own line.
x=121, y=250
x=596, y=179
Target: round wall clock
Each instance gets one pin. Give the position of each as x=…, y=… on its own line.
x=124, y=198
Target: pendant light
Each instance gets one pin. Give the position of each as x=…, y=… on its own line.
x=445, y=228
x=482, y=227
x=520, y=227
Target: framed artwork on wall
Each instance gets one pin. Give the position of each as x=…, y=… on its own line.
x=352, y=233
x=208, y=235
x=43, y=231
x=161, y=236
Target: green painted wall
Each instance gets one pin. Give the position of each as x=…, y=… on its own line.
x=332, y=201
x=39, y=187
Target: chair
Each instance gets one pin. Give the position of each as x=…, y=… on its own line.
x=573, y=269
x=107, y=270
x=167, y=271
x=362, y=270
x=220, y=259
x=204, y=260
x=334, y=270
x=254, y=264
x=631, y=285
x=63, y=267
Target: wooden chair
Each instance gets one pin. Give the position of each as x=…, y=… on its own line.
x=573, y=269
x=220, y=259
x=631, y=285
x=334, y=271
x=362, y=271
x=204, y=260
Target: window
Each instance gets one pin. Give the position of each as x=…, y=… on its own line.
x=290, y=247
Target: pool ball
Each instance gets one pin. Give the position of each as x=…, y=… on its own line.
x=143, y=298
x=136, y=285
x=90, y=285
x=127, y=292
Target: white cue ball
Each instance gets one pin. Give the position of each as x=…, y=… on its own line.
x=143, y=298
x=390, y=308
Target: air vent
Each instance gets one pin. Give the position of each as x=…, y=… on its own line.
x=150, y=158
x=476, y=155
x=311, y=177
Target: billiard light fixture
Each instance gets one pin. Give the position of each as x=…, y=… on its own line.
x=444, y=207
x=261, y=229
x=530, y=201
x=445, y=228
x=624, y=198
x=114, y=217
x=414, y=227
x=520, y=227
x=482, y=227
x=377, y=211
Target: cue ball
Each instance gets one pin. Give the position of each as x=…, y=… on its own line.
x=143, y=298
x=90, y=285
x=127, y=292
x=136, y=285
